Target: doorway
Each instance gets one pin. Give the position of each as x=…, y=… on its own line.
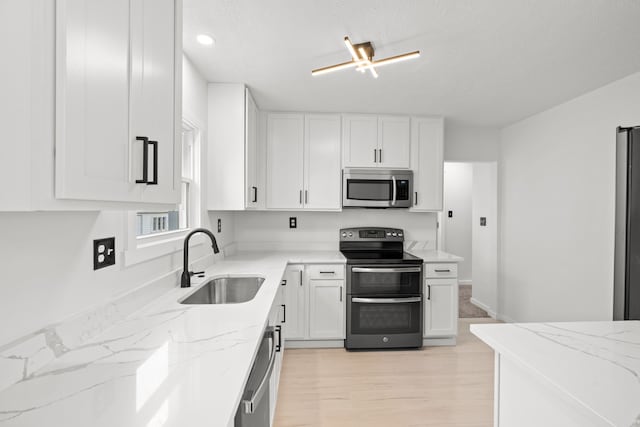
x=468, y=228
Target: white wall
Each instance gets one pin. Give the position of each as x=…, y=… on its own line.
x=556, y=173
x=46, y=257
x=464, y=143
x=319, y=230
x=484, y=239
x=457, y=229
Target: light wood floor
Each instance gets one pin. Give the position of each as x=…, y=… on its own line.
x=435, y=386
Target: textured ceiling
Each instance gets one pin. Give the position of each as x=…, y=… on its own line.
x=486, y=63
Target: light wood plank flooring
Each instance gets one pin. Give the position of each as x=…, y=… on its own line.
x=435, y=386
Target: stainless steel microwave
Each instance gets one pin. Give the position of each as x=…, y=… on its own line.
x=376, y=188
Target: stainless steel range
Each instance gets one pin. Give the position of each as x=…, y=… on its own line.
x=384, y=290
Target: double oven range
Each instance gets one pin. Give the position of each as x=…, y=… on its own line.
x=384, y=290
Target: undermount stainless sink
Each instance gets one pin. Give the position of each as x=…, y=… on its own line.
x=225, y=290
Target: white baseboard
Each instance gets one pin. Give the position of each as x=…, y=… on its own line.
x=483, y=306
x=314, y=344
x=464, y=282
x=438, y=342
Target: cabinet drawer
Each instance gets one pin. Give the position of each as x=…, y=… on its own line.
x=325, y=271
x=441, y=270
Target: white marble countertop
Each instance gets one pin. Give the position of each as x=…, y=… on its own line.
x=435, y=256
x=595, y=363
x=165, y=365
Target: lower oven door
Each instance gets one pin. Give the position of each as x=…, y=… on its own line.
x=377, y=323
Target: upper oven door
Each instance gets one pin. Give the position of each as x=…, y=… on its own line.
x=380, y=280
x=376, y=188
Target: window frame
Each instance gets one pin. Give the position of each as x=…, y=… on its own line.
x=149, y=246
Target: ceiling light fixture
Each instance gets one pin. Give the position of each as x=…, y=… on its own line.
x=205, y=39
x=362, y=59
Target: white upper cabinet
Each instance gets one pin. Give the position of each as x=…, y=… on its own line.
x=359, y=141
x=251, y=192
x=394, y=142
x=117, y=64
x=376, y=141
x=232, y=148
x=322, y=172
x=427, y=145
x=303, y=161
x=285, y=167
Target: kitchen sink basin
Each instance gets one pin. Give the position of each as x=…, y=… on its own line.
x=226, y=290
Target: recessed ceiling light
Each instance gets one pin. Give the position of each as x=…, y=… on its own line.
x=205, y=39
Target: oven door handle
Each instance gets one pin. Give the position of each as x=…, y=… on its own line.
x=386, y=300
x=386, y=270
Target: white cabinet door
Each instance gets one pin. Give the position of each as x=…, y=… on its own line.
x=394, y=142
x=115, y=83
x=427, y=144
x=326, y=309
x=93, y=146
x=285, y=135
x=322, y=172
x=153, y=106
x=360, y=140
x=441, y=307
x=251, y=154
x=294, y=299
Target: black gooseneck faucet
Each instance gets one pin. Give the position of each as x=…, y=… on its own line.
x=185, y=282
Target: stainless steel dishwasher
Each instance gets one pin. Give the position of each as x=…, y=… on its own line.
x=253, y=410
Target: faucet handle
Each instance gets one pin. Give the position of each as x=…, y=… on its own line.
x=196, y=273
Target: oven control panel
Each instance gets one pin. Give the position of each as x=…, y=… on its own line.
x=371, y=234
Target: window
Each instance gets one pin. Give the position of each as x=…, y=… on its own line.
x=149, y=223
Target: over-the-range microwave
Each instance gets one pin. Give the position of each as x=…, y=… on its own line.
x=377, y=188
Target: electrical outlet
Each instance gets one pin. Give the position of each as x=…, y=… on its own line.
x=219, y=225
x=104, y=252
x=293, y=222
x=450, y=214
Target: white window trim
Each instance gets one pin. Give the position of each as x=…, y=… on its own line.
x=144, y=248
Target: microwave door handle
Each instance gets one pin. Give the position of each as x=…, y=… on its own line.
x=393, y=191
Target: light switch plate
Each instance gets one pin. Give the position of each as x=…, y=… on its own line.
x=104, y=252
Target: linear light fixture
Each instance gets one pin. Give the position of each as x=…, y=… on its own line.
x=362, y=59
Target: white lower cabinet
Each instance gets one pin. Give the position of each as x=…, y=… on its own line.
x=295, y=303
x=326, y=309
x=441, y=301
x=314, y=302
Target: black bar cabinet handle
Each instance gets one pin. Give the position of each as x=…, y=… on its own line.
x=155, y=163
x=145, y=160
x=442, y=271
x=416, y=202
x=279, y=330
x=429, y=292
x=284, y=313
x=255, y=194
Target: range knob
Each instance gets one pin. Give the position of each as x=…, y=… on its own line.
x=344, y=234
x=394, y=234
x=399, y=234
x=388, y=233
x=350, y=234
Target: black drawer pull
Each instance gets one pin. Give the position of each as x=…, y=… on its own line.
x=279, y=345
x=442, y=271
x=327, y=272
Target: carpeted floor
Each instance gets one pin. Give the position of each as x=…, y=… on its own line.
x=465, y=308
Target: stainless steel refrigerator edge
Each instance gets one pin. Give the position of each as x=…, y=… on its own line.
x=626, y=290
